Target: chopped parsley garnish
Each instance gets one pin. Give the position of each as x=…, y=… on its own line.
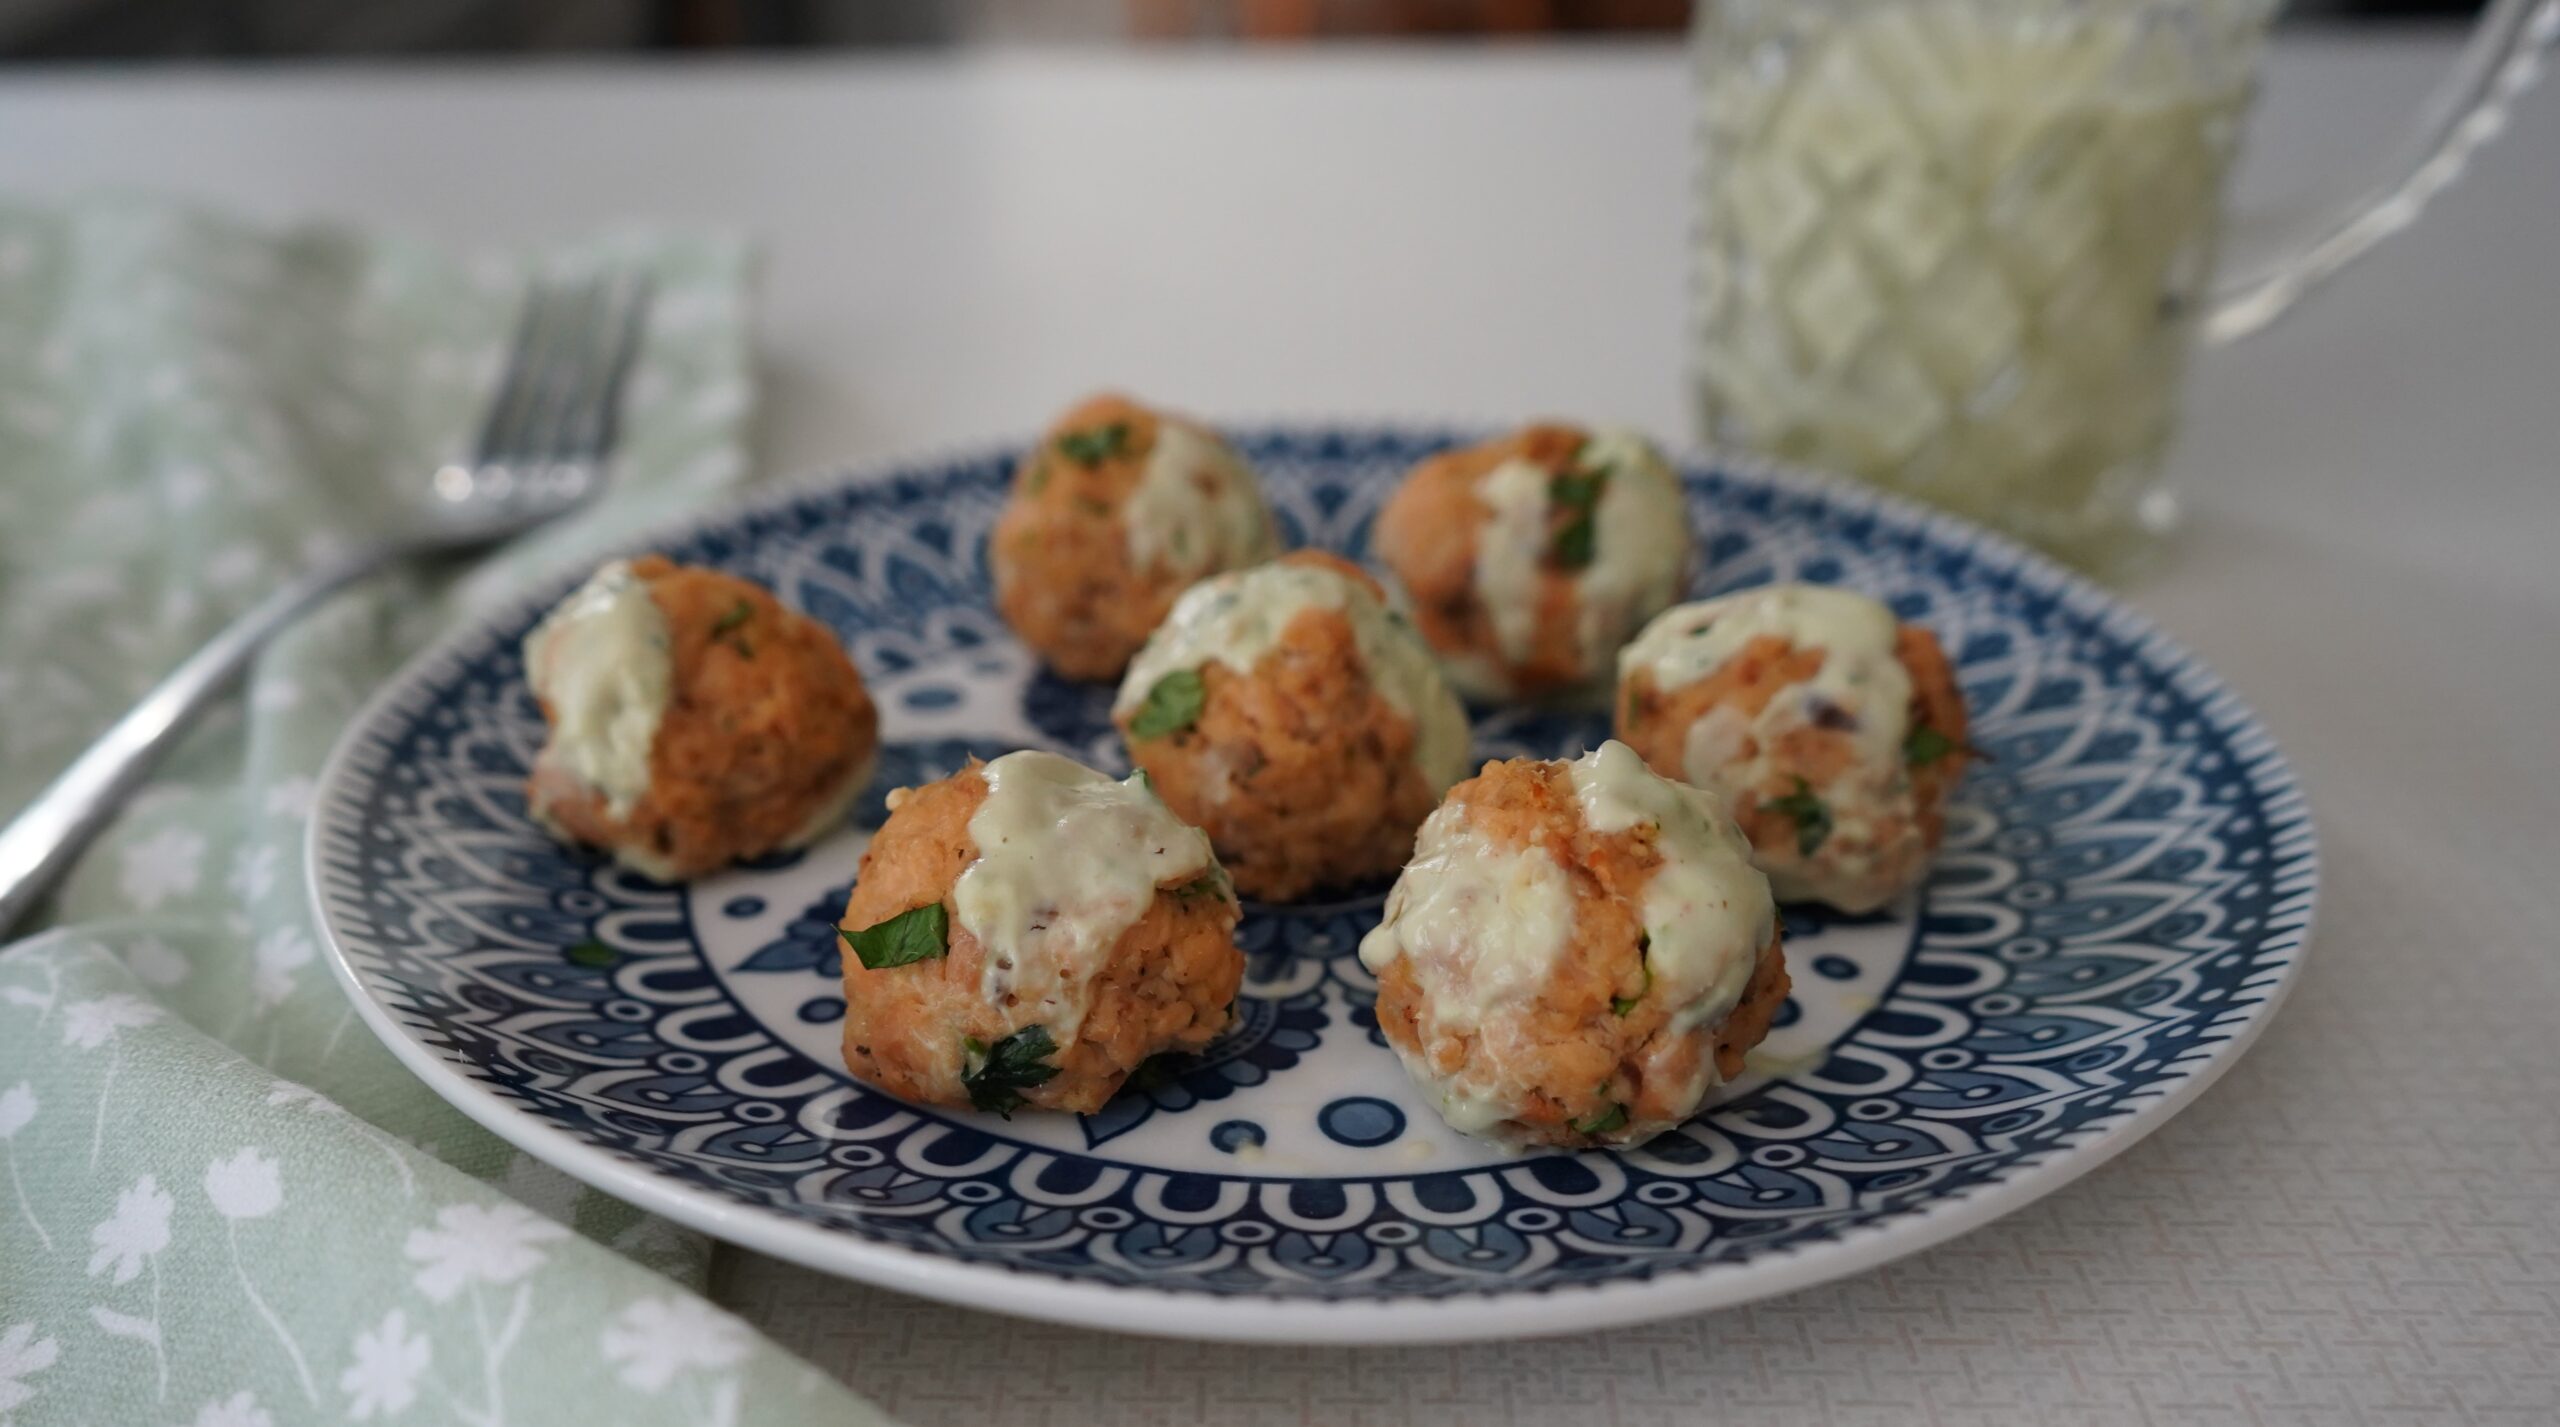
x=998, y=1074
x=727, y=626
x=1812, y=816
x=592, y=953
x=1212, y=883
x=1578, y=541
x=1926, y=745
x=916, y=934
x=1616, y=1119
x=1038, y=480
x=1172, y=705
x=1092, y=448
x=1578, y=489
x=1620, y=1005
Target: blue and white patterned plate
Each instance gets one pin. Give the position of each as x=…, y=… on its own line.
x=2121, y=903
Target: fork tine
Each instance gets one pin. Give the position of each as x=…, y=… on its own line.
x=586, y=429
x=509, y=407
x=554, y=372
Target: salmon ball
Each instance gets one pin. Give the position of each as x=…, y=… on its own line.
x=1834, y=731
x=1287, y=712
x=1028, y=932
x=693, y=720
x=1579, y=952
x=1527, y=561
x=1115, y=511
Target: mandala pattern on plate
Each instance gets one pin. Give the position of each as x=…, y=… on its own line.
x=2123, y=886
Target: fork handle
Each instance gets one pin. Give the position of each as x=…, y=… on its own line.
x=44, y=839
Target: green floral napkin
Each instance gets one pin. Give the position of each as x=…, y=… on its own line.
x=222, y=1203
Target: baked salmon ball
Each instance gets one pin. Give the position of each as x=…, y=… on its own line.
x=1833, y=731
x=1578, y=953
x=1111, y=515
x=1288, y=713
x=1029, y=931
x=1527, y=561
x=693, y=720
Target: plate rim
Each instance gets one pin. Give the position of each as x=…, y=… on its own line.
x=1494, y=1314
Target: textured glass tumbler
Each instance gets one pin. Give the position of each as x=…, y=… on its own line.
x=1961, y=248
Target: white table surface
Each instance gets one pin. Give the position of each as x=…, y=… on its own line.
x=2360, y=1224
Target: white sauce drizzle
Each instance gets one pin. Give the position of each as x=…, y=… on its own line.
x=1068, y=859
x=1640, y=546
x=1484, y=927
x=1861, y=680
x=605, y=664
x=1197, y=507
x=1509, y=547
x=1640, y=550
x=1706, y=909
x=1236, y=618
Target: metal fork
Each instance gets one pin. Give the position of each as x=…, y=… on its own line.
x=541, y=451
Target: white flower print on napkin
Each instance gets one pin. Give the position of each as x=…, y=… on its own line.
x=253, y=872
x=138, y=1229
x=248, y=1186
x=245, y=1186
x=240, y=1409
x=87, y=1025
x=99, y=1021
x=22, y=1354
x=169, y=863
x=384, y=1376
x=656, y=1342
x=17, y=1111
x=123, y=1245
x=280, y=953
x=473, y=1243
x=290, y=798
x=655, y=1339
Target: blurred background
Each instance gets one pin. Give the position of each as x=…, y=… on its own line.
x=37, y=30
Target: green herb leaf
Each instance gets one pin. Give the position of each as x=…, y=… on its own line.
x=1926, y=745
x=1575, y=544
x=1812, y=817
x=726, y=629
x=1092, y=448
x=1038, y=480
x=1602, y=1124
x=1172, y=705
x=1578, y=489
x=1212, y=883
x=592, y=953
x=1578, y=541
x=998, y=1074
x=1620, y=1005
x=916, y=934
